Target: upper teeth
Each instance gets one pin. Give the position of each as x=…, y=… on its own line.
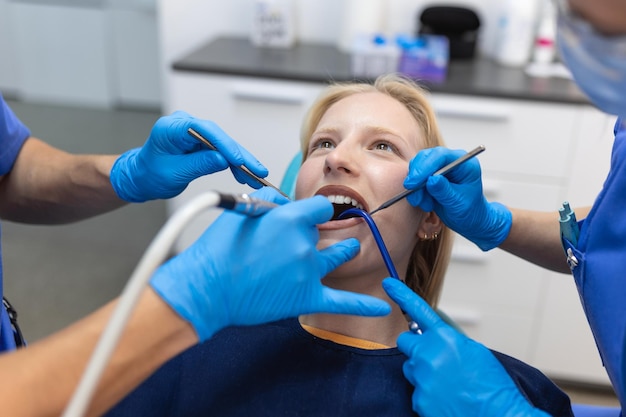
x=344, y=199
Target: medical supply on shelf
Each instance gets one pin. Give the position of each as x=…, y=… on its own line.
x=424, y=57
x=373, y=55
x=273, y=23
x=515, y=32
x=266, y=183
x=442, y=171
x=544, y=50
x=360, y=18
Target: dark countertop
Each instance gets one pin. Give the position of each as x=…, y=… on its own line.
x=323, y=63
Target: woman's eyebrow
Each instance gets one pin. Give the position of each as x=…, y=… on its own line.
x=383, y=131
x=325, y=130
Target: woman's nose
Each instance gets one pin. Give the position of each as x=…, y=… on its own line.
x=341, y=159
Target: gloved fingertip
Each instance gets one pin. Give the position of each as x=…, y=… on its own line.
x=435, y=182
x=258, y=169
x=338, y=254
x=318, y=209
x=346, y=302
x=270, y=194
x=243, y=178
x=406, y=341
x=351, y=244
x=393, y=286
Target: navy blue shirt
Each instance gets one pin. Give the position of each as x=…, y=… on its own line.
x=279, y=369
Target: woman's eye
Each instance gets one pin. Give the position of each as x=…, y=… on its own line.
x=322, y=144
x=385, y=146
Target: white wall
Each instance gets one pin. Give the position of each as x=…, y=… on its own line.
x=83, y=52
x=8, y=70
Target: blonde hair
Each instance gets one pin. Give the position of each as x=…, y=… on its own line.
x=430, y=258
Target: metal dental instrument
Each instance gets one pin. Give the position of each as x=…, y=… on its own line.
x=245, y=204
x=441, y=171
x=243, y=168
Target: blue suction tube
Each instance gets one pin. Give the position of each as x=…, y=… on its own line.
x=413, y=326
x=377, y=237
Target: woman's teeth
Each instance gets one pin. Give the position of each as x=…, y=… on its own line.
x=343, y=199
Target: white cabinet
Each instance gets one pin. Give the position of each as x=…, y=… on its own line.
x=534, y=152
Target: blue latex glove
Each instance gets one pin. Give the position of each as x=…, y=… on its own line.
x=245, y=270
x=171, y=158
x=452, y=374
x=457, y=197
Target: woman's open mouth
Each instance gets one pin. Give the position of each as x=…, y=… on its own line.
x=342, y=198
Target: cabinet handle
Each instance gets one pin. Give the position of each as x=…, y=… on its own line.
x=475, y=111
x=267, y=93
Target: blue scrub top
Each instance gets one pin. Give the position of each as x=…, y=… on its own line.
x=13, y=133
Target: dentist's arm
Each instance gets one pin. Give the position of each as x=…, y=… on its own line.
x=458, y=200
x=535, y=236
x=39, y=380
x=50, y=186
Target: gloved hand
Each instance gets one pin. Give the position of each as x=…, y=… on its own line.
x=457, y=197
x=245, y=270
x=171, y=158
x=452, y=374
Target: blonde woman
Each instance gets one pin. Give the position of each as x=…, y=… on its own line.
x=357, y=141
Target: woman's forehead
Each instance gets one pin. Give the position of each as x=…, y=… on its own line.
x=376, y=112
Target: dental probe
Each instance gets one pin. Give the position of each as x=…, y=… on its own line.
x=243, y=168
x=441, y=171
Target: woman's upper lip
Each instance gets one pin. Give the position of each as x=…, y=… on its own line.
x=345, y=191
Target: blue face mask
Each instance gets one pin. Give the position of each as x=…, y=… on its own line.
x=597, y=62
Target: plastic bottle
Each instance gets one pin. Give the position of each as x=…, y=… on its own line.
x=516, y=32
x=273, y=23
x=374, y=55
x=545, y=41
x=359, y=18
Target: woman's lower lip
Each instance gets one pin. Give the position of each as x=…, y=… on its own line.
x=340, y=224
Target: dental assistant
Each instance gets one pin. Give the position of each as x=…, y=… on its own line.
x=193, y=295
x=454, y=375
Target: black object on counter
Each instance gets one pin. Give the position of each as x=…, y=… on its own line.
x=459, y=24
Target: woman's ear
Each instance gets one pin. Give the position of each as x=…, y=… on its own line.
x=430, y=227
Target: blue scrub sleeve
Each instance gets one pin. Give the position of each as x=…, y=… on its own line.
x=13, y=133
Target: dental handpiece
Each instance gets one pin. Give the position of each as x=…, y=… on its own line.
x=243, y=168
x=244, y=204
x=441, y=171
